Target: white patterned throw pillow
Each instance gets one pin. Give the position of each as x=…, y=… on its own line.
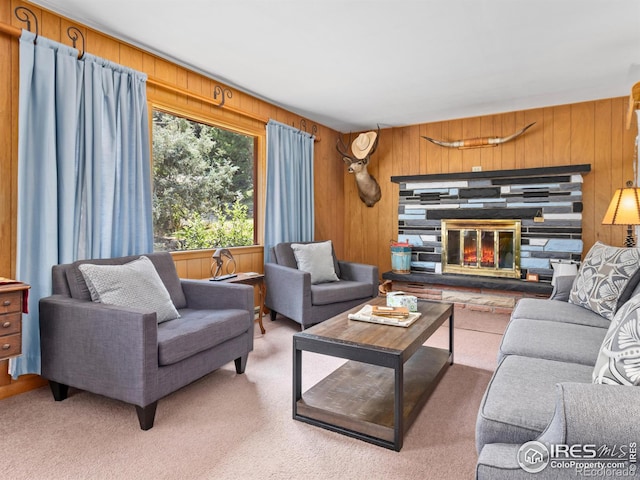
x=606, y=279
x=134, y=284
x=619, y=359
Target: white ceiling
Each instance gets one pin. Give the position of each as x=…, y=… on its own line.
x=352, y=64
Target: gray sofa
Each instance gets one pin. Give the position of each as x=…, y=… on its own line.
x=124, y=353
x=291, y=293
x=542, y=389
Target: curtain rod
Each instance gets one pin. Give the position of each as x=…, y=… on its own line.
x=156, y=82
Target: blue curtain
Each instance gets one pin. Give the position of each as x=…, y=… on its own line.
x=289, y=206
x=84, y=179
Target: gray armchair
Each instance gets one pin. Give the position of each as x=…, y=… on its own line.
x=290, y=292
x=124, y=353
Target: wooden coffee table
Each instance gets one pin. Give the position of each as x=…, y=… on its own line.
x=378, y=394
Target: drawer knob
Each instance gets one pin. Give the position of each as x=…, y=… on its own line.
x=6, y=324
x=6, y=346
x=6, y=303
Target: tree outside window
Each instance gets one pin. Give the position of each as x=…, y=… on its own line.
x=203, y=185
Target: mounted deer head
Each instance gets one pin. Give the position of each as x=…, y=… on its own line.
x=362, y=147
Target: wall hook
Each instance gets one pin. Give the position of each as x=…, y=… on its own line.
x=218, y=90
x=22, y=15
x=74, y=33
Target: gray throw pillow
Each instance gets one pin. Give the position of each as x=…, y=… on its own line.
x=317, y=259
x=134, y=284
x=619, y=358
x=606, y=278
x=562, y=288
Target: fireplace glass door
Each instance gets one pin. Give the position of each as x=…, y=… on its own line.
x=481, y=247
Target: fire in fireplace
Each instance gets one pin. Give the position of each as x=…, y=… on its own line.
x=481, y=247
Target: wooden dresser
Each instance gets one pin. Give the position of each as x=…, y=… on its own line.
x=12, y=296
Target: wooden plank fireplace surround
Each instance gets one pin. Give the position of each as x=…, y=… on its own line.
x=545, y=202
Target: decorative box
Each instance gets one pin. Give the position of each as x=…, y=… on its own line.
x=399, y=299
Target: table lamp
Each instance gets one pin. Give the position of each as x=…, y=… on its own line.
x=624, y=209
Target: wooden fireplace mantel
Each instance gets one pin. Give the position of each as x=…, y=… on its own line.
x=539, y=174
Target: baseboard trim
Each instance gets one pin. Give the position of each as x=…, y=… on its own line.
x=23, y=384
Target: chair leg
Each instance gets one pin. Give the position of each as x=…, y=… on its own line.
x=59, y=390
x=272, y=315
x=146, y=415
x=241, y=363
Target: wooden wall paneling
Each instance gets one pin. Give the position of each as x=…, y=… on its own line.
x=471, y=157
x=51, y=27
x=405, y=162
x=167, y=72
x=431, y=162
x=489, y=127
x=6, y=11
x=455, y=155
x=413, y=143
x=387, y=208
x=601, y=164
x=329, y=175
x=102, y=46
x=6, y=153
x=207, y=87
x=629, y=151
x=519, y=147
x=444, y=152
x=6, y=194
x=582, y=151
x=533, y=139
x=547, y=135
x=183, y=82
x=132, y=57
x=507, y=150
x=618, y=180
x=562, y=135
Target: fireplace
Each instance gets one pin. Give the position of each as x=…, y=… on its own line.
x=481, y=247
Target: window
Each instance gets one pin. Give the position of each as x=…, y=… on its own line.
x=204, y=187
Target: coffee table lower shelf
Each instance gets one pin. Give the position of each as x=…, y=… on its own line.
x=357, y=399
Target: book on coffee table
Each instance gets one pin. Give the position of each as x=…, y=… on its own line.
x=393, y=312
x=365, y=314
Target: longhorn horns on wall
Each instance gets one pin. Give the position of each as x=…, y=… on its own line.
x=480, y=142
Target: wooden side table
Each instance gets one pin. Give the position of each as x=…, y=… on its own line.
x=253, y=279
x=12, y=304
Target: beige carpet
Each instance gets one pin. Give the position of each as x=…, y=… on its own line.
x=228, y=426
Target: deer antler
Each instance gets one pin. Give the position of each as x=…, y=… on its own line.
x=345, y=150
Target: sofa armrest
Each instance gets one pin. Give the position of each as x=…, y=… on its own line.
x=594, y=414
x=586, y=414
x=207, y=295
x=358, y=272
x=288, y=290
x=105, y=349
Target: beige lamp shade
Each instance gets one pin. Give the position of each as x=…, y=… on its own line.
x=624, y=208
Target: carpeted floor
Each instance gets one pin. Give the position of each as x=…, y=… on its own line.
x=228, y=426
